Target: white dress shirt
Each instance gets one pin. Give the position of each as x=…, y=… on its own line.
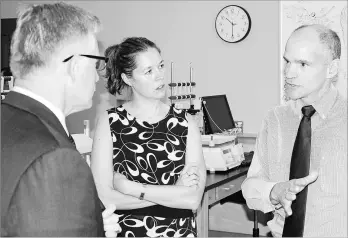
x=326, y=213
x=56, y=111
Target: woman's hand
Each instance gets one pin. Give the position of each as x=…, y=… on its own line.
x=189, y=177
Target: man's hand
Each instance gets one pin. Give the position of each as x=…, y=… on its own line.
x=189, y=177
x=283, y=193
x=110, y=220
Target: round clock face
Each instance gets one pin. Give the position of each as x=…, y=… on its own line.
x=233, y=24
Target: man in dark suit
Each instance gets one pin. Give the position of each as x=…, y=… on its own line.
x=47, y=189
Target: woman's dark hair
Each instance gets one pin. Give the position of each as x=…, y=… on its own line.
x=122, y=59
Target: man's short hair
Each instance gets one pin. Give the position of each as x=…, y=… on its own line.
x=42, y=29
x=328, y=38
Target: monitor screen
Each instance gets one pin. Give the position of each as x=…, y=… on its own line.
x=217, y=114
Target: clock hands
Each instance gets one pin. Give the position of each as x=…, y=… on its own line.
x=233, y=24
x=229, y=20
x=232, y=29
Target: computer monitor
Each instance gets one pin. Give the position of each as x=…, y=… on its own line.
x=217, y=114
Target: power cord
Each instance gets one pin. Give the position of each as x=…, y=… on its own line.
x=211, y=117
x=228, y=132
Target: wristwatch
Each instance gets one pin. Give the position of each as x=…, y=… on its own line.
x=142, y=194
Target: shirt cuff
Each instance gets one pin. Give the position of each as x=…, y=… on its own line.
x=266, y=191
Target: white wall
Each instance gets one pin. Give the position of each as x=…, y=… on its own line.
x=247, y=72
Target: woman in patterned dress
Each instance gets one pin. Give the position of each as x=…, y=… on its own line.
x=147, y=156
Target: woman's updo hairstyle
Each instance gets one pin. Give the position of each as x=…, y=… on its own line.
x=122, y=59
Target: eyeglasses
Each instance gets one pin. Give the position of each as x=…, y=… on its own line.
x=99, y=65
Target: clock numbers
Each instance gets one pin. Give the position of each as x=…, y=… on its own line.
x=233, y=23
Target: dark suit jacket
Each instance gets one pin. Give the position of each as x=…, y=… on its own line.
x=47, y=189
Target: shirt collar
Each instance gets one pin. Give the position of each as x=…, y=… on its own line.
x=322, y=106
x=56, y=111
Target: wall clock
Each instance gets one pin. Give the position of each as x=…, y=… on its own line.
x=233, y=24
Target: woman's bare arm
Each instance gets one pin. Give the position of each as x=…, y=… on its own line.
x=102, y=169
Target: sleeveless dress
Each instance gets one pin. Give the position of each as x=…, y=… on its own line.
x=151, y=154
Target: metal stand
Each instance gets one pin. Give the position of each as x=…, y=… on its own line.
x=256, y=228
x=239, y=199
x=187, y=94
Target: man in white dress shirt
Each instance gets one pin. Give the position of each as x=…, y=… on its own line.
x=311, y=60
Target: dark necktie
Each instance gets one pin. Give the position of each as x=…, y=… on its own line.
x=299, y=168
x=72, y=140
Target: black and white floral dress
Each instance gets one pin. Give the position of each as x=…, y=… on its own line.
x=152, y=154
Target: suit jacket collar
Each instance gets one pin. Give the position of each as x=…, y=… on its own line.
x=35, y=107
